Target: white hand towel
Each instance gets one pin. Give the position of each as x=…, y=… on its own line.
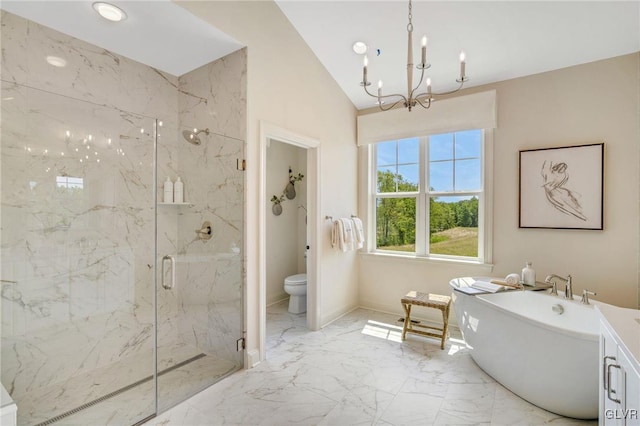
x=347, y=232
x=335, y=233
x=337, y=236
x=357, y=226
x=347, y=225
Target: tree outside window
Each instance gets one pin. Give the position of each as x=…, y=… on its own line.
x=450, y=168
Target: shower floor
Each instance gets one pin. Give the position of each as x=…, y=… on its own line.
x=106, y=396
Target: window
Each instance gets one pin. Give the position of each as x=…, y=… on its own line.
x=430, y=196
x=398, y=177
x=68, y=182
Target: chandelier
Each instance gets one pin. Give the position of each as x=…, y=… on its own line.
x=412, y=99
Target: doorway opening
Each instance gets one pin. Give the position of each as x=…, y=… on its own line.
x=289, y=233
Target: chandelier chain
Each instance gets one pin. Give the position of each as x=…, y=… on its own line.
x=410, y=24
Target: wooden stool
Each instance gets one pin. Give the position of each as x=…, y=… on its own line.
x=428, y=300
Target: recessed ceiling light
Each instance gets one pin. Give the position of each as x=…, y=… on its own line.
x=56, y=61
x=360, y=48
x=110, y=12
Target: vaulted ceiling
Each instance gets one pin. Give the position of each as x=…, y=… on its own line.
x=501, y=39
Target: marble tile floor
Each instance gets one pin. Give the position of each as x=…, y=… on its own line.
x=133, y=404
x=356, y=371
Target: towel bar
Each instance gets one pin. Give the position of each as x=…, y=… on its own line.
x=331, y=217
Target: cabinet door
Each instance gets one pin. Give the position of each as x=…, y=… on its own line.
x=629, y=409
x=609, y=378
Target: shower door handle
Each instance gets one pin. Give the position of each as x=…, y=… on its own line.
x=172, y=284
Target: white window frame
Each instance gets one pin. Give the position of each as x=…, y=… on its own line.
x=485, y=203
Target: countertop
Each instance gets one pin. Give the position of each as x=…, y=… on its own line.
x=625, y=323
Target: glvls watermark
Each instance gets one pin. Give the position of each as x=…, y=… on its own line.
x=618, y=413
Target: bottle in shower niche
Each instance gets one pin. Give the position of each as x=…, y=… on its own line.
x=168, y=191
x=178, y=191
x=528, y=275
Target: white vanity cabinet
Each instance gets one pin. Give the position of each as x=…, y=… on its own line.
x=619, y=368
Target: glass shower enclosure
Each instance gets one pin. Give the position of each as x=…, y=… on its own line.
x=113, y=307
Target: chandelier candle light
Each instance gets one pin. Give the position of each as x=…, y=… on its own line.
x=423, y=99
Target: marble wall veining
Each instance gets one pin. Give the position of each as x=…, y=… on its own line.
x=78, y=214
x=214, y=97
x=91, y=73
x=77, y=238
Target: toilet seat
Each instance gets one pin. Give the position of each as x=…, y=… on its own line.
x=298, y=279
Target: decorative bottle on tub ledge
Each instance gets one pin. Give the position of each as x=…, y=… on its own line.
x=528, y=274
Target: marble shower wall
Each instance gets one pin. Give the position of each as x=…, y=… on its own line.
x=77, y=206
x=210, y=272
x=75, y=242
x=77, y=255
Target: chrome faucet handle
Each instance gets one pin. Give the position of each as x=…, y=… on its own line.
x=585, y=296
x=568, y=290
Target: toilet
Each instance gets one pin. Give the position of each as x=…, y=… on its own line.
x=296, y=287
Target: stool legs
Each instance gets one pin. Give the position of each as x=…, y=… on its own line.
x=445, y=327
x=408, y=327
x=407, y=319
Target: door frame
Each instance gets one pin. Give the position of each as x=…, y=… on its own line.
x=270, y=131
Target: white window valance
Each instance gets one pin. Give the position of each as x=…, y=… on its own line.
x=476, y=111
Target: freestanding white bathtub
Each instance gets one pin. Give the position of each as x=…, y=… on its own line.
x=519, y=338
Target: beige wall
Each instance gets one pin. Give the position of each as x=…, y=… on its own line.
x=588, y=103
x=288, y=87
x=577, y=105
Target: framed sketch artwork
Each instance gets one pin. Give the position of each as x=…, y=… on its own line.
x=562, y=188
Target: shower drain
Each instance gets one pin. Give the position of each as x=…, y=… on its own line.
x=118, y=392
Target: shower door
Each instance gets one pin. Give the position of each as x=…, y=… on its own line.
x=77, y=259
x=200, y=266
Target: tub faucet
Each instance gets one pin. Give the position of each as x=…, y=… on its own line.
x=568, y=292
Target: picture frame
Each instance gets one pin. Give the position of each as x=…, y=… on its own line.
x=562, y=187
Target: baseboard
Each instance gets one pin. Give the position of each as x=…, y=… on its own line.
x=252, y=358
x=335, y=315
x=340, y=316
x=277, y=301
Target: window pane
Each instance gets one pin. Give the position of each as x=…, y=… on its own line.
x=387, y=179
x=396, y=224
x=468, y=175
x=408, y=180
x=453, y=226
x=395, y=175
x=441, y=147
x=408, y=151
x=386, y=153
x=468, y=144
x=441, y=176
